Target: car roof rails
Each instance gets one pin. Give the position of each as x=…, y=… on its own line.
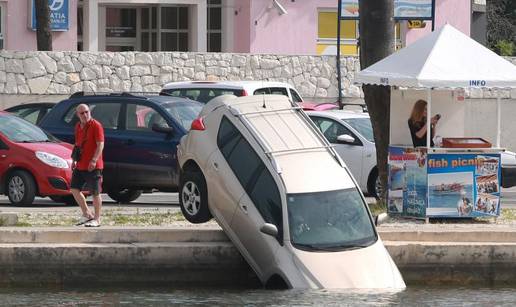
x=125, y=94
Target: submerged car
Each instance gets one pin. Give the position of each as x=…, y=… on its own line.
x=282, y=195
x=32, y=162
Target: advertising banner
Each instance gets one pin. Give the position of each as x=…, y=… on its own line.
x=403, y=9
x=59, y=15
x=463, y=185
x=407, y=182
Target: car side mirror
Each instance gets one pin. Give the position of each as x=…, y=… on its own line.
x=346, y=139
x=269, y=229
x=162, y=129
x=381, y=218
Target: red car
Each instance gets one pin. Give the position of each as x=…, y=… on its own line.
x=32, y=162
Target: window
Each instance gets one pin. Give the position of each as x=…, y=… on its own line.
x=106, y=113
x=271, y=90
x=141, y=118
x=327, y=34
x=214, y=33
x=174, y=28
x=252, y=174
x=149, y=24
x=203, y=94
x=332, y=129
x=2, y=25
x=295, y=96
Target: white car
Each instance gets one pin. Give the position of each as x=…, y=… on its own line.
x=282, y=195
x=204, y=91
x=352, y=135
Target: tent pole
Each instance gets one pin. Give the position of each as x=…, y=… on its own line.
x=498, y=118
x=428, y=117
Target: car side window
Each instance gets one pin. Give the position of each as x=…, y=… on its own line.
x=106, y=113
x=30, y=115
x=251, y=173
x=262, y=91
x=141, y=118
x=332, y=129
x=295, y=96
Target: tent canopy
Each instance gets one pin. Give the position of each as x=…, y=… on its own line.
x=443, y=59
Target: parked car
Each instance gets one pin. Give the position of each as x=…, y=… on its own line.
x=32, y=162
x=310, y=106
x=32, y=112
x=204, y=91
x=352, y=135
x=282, y=195
x=141, y=135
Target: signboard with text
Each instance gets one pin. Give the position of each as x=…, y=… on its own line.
x=59, y=15
x=403, y=9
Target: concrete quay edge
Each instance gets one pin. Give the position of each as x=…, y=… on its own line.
x=205, y=256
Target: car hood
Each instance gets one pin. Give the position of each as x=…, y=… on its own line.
x=62, y=150
x=365, y=268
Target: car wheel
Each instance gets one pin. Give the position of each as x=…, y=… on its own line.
x=193, y=198
x=374, y=186
x=21, y=188
x=124, y=195
x=69, y=200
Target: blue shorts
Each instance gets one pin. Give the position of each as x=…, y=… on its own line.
x=92, y=180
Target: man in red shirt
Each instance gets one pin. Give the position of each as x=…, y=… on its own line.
x=89, y=136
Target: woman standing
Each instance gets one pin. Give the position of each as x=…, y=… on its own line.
x=417, y=124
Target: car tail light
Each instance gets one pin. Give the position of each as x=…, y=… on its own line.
x=198, y=124
x=244, y=93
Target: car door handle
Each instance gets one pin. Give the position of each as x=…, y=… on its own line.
x=243, y=207
x=129, y=142
x=216, y=166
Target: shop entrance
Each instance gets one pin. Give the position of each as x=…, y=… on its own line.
x=121, y=29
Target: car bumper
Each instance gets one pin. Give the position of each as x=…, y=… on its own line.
x=54, y=181
x=508, y=176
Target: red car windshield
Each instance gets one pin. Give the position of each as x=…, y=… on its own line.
x=21, y=131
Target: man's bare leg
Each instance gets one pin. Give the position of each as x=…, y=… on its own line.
x=81, y=200
x=97, y=204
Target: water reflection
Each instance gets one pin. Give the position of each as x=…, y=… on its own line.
x=256, y=297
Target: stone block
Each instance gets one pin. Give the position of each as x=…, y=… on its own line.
x=39, y=85
x=142, y=58
x=8, y=219
x=49, y=63
x=14, y=66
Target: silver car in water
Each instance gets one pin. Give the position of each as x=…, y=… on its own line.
x=282, y=195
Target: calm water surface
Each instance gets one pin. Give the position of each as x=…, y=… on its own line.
x=414, y=296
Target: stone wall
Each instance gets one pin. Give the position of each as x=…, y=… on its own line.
x=63, y=73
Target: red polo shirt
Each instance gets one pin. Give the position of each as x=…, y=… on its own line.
x=94, y=134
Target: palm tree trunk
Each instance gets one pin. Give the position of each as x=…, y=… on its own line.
x=43, y=34
x=376, y=42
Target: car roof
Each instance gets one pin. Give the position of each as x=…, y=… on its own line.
x=339, y=114
x=289, y=140
x=159, y=99
x=225, y=84
x=30, y=105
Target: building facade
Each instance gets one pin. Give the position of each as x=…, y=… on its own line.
x=240, y=26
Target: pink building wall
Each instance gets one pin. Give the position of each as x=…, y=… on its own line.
x=453, y=12
x=18, y=36
x=292, y=33
x=296, y=32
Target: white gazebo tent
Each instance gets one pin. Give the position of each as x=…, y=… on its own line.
x=444, y=59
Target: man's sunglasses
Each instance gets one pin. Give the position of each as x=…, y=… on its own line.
x=84, y=112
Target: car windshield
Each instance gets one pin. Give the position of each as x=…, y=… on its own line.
x=203, y=94
x=21, y=131
x=363, y=126
x=329, y=221
x=184, y=112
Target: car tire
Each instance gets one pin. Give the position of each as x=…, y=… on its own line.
x=69, y=200
x=374, y=185
x=124, y=195
x=193, y=198
x=21, y=188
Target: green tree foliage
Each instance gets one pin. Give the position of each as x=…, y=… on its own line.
x=501, y=26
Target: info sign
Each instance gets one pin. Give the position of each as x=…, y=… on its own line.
x=59, y=15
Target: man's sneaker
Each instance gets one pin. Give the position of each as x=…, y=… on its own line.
x=83, y=220
x=92, y=223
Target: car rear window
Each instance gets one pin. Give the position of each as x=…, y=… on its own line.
x=203, y=94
